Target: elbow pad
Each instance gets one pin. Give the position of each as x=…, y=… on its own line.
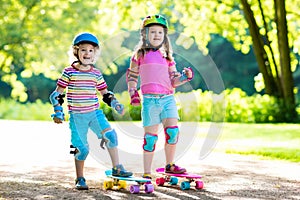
x=131, y=76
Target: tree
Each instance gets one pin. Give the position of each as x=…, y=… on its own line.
x=262, y=24
x=35, y=35
x=279, y=81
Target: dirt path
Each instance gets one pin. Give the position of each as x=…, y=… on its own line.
x=31, y=168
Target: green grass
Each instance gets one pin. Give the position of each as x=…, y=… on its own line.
x=271, y=141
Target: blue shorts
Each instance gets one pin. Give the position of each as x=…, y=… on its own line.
x=81, y=122
x=155, y=108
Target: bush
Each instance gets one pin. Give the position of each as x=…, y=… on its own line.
x=232, y=105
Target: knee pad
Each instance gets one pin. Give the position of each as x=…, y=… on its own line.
x=149, y=142
x=80, y=153
x=111, y=138
x=172, y=133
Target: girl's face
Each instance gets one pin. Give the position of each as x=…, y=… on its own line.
x=156, y=35
x=86, y=54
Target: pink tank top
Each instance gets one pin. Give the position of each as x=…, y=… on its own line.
x=154, y=73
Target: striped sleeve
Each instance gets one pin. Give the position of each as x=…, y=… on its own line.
x=101, y=84
x=64, y=80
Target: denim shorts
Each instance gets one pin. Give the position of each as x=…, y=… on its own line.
x=155, y=108
x=81, y=122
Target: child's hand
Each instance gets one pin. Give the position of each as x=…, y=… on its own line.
x=189, y=73
x=118, y=107
x=135, y=99
x=58, y=117
x=57, y=120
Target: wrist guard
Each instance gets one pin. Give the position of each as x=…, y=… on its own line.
x=135, y=99
x=56, y=98
x=184, y=77
x=108, y=98
x=117, y=106
x=58, y=113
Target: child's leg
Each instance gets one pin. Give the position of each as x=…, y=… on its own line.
x=150, y=139
x=111, y=142
x=80, y=180
x=79, y=166
x=171, y=134
x=101, y=127
x=170, y=125
x=79, y=128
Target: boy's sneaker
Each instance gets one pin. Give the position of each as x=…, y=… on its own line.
x=147, y=176
x=119, y=170
x=174, y=169
x=80, y=184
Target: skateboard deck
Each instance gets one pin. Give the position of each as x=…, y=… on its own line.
x=121, y=182
x=172, y=179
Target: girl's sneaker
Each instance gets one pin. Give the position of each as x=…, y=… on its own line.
x=80, y=184
x=147, y=176
x=174, y=169
x=119, y=170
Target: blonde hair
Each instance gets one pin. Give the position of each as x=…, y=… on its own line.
x=142, y=47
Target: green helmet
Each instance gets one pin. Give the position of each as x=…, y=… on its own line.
x=155, y=19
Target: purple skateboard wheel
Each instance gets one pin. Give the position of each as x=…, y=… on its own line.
x=149, y=188
x=134, y=189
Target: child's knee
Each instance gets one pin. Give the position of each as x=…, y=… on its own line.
x=111, y=138
x=172, y=133
x=149, y=142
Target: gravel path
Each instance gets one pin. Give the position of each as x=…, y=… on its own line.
x=33, y=169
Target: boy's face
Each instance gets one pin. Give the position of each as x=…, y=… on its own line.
x=156, y=35
x=86, y=54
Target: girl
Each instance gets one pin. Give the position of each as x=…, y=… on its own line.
x=153, y=62
x=82, y=81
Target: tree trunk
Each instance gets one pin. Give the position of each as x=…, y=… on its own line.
x=287, y=80
x=260, y=53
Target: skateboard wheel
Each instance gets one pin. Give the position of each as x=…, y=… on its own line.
x=149, y=188
x=185, y=185
x=160, y=181
x=134, y=189
x=173, y=180
x=199, y=185
x=108, y=185
x=122, y=184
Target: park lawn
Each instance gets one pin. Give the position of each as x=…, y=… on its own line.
x=271, y=141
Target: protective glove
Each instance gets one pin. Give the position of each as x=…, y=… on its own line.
x=59, y=116
x=135, y=99
x=187, y=74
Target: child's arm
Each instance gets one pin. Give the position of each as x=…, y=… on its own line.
x=178, y=79
x=132, y=75
x=56, y=98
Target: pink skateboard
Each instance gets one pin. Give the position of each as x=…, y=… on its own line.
x=172, y=179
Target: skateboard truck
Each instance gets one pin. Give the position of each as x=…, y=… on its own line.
x=74, y=150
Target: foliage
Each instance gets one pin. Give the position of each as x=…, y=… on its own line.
x=204, y=106
x=36, y=35
x=10, y=109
